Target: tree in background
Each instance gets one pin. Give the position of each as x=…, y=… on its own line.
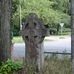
x=5, y=10
x=51, y=11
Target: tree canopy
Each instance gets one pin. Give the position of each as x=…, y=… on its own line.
x=51, y=11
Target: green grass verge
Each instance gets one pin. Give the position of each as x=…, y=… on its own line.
x=17, y=39
x=64, y=33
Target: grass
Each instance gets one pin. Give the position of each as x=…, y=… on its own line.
x=17, y=39
x=52, y=65
x=64, y=33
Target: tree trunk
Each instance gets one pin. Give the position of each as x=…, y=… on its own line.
x=5, y=30
x=72, y=35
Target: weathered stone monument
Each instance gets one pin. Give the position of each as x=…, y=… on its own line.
x=33, y=33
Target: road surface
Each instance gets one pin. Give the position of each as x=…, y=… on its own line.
x=54, y=45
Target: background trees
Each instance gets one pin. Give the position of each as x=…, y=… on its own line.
x=51, y=11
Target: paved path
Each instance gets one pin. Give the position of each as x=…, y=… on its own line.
x=51, y=44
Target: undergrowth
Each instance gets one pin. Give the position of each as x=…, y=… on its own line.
x=52, y=65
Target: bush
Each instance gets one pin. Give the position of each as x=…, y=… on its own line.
x=9, y=67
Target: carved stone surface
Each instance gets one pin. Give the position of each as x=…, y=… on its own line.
x=33, y=33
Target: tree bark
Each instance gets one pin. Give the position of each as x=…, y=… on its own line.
x=5, y=9
x=72, y=35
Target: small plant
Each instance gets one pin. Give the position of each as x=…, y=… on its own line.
x=9, y=67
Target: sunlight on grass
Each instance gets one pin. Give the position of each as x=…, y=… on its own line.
x=17, y=39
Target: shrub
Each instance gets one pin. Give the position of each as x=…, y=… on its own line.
x=9, y=67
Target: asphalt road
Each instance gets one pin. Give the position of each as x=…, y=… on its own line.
x=55, y=45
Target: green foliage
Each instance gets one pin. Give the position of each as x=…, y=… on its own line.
x=17, y=39
x=9, y=67
x=61, y=5
x=52, y=65
x=51, y=11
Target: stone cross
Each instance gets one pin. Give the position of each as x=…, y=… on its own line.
x=33, y=33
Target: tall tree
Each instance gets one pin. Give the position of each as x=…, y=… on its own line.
x=5, y=9
x=72, y=37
